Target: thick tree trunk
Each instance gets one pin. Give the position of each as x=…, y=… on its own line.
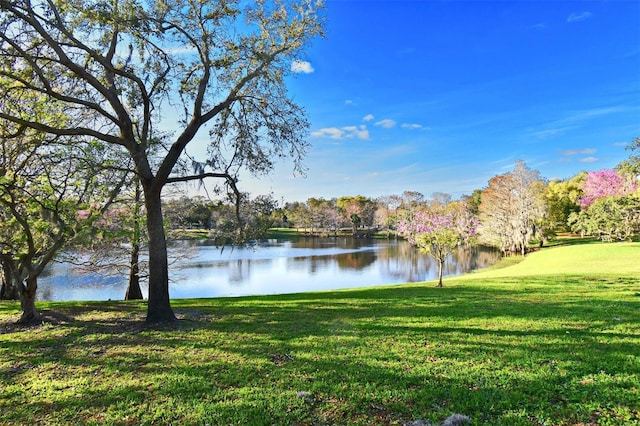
x=28, y=302
x=440, y=267
x=158, y=307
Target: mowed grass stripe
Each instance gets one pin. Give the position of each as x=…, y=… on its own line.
x=614, y=259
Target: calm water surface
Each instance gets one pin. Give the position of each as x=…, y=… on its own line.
x=271, y=267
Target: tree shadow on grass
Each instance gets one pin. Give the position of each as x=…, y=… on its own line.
x=379, y=356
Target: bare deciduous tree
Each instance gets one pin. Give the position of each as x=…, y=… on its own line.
x=509, y=208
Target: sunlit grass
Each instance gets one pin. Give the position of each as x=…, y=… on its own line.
x=616, y=259
x=531, y=343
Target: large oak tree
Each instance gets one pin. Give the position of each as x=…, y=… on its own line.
x=120, y=68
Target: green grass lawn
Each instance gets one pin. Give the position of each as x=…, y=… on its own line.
x=614, y=259
x=551, y=340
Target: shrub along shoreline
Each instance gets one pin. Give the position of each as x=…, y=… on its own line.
x=553, y=339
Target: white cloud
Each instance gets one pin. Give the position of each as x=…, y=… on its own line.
x=573, y=121
x=411, y=126
x=347, y=132
x=368, y=117
x=589, y=160
x=348, y=102
x=552, y=132
x=386, y=123
x=359, y=132
x=331, y=132
x=299, y=66
x=577, y=17
x=584, y=151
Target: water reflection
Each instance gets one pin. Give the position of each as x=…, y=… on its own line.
x=275, y=266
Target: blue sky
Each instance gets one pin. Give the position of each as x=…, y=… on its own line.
x=439, y=96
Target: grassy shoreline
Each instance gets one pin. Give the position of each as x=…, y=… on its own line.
x=553, y=339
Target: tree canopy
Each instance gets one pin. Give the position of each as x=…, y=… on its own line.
x=44, y=184
x=119, y=69
x=510, y=206
x=606, y=182
x=438, y=229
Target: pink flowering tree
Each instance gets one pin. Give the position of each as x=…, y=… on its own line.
x=438, y=234
x=604, y=183
x=609, y=206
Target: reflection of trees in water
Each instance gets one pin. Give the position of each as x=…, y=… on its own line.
x=312, y=264
x=45, y=293
x=322, y=242
x=64, y=278
x=240, y=270
x=380, y=261
x=354, y=260
x=102, y=273
x=405, y=263
x=467, y=259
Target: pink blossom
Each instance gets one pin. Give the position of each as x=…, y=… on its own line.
x=425, y=222
x=603, y=183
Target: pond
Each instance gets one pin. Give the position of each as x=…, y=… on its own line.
x=271, y=267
